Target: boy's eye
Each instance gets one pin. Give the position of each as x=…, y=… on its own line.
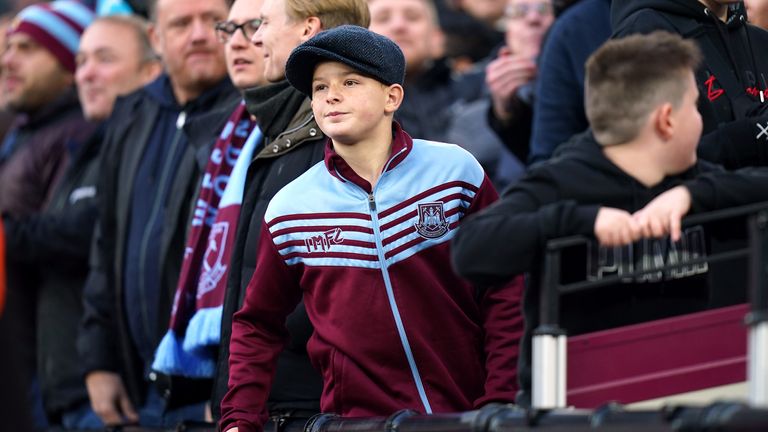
x=350, y=82
x=318, y=87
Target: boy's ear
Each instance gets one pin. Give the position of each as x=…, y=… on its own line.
x=664, y=121
x=312, y=26
x=395, y=95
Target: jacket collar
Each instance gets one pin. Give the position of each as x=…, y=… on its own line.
x=301, y=128
x=62, y=106
x=401, y=146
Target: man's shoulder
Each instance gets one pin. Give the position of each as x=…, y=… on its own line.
x=127, y=105
x=426, y=151
x=647, y=20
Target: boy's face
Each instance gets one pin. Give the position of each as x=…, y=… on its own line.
x=277, y=36
x=688, y=129
x=349, y=106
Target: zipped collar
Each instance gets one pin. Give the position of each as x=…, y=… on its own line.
x=402, y=143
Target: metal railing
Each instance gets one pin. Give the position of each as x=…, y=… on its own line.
x=550, y=340
x=548, y=413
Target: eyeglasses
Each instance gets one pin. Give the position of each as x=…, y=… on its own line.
x=521, y=10
x=226, y=29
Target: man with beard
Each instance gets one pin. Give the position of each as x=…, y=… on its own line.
x=150, y=171
x=114, y=57
x=38, y=65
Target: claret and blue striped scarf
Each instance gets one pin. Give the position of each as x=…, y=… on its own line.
x=188, y=348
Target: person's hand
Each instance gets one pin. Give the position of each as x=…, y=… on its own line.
x=109, y=399
x=663, y=216
x=504, y=75
x=615, y=227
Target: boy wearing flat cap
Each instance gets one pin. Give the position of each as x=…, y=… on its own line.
x=364, y=238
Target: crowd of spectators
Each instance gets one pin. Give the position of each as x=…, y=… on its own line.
x=142, y=143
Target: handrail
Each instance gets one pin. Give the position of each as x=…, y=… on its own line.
x=549, y=340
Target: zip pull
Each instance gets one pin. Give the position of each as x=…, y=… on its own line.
x=181, y=119
x=371, y=202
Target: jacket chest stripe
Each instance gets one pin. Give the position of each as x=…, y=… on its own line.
x=450, y=204
x=319, y=228
x=459, y=185
x=417, y=244
x=449, y=199
x=305, y=217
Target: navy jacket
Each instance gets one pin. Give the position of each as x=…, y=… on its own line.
x=558, y=109
x=104, y=341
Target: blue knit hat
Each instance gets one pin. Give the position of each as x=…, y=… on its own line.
x=359, y=48
x=56, y=26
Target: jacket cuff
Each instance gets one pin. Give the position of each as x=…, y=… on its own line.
x=702, y=194
x=584, y=219
x=241, y=425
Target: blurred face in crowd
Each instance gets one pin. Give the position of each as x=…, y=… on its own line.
x=245, y=61
x=412, y=24
x=32, y=76
x=757, y=12
x=110, y=62
x=278, y=35
x=488, y=11
x=527, y=22
x=185, y=38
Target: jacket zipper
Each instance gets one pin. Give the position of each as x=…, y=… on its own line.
x=180, y=121
x=391, y=297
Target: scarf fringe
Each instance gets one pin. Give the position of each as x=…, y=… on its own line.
x=172, y=359
x=203, y=331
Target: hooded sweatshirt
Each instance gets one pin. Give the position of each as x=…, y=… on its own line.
x=561, y=198
x=733, y=74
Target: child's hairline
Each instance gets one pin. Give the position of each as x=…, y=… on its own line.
x=355, y=70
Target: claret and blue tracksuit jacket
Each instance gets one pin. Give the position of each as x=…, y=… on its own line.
x=395, y=327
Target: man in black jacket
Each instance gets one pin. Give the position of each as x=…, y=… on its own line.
x=627, y=183
x=732, y=79
x=55, y=243
x=292, y=144
x=150, y=171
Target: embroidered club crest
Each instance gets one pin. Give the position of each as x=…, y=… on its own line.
x=432, y=223
x=213, y=266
